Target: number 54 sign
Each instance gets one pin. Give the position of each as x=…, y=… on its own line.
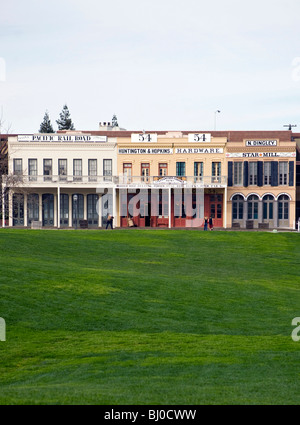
x=199, y=137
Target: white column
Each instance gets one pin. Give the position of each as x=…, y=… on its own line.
x=55, y=210
x=58, y=207
x=225, y=208
x=25, y=210
x=85, y=207
x=40, y=207
x=3, y=205
x=70, y=209
x=10, y=208
x=99, y=210
x=170, y=208
x=114, y=207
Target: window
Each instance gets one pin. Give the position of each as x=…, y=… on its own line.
x=268, y=207
x=237, y=207
x=267, y=173
x=237, y=173
x=252, y=173
x=47, y=169
x=162, y=169
x=32, y=169
x=145, y=171
x=252, y=207
x=180, y=169
x=107, y=169
x=77, y=169
x=62, y=169
x=283, y=173
x=127, y=170
x=198, y=171
x=216, y=172
x=92, y=170
x=18, y=168
x=283, y=207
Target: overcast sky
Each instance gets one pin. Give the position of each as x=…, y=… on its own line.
x=157, y=65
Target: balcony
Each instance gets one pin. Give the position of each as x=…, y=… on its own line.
x=121, y=181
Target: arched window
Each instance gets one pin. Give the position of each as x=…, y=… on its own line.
x=283, y=207
x=237, y=207
x=252, y=203
x=268, y=207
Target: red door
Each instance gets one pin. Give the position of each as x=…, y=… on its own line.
x=213, y=206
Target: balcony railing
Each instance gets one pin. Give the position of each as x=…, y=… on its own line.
x=127, y=181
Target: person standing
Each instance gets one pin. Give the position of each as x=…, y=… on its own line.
x=109, y=221
x=211, y=226
x=205, y=223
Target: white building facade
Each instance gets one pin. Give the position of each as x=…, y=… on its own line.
x=64, y=179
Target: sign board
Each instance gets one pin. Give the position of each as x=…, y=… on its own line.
x=61, y=138
x=145, y=151
x=199, y=137
x=144, y=138
x=261, y=142
x=198, y=150
x=261, y=155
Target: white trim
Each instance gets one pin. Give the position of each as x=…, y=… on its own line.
x=268, y=193
x=253, y=193
x=284, y=193
x=237, y=193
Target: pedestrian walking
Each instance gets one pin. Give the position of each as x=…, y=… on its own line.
x=205, y=223
x=210, y=223
x=109, y=221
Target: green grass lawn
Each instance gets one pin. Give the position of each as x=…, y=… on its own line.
x=149, y=317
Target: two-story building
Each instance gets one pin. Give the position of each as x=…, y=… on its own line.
x=156, y=178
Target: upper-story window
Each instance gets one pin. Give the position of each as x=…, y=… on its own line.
x=47, y=169
x=92, y=170
x=18, y=167
x=145, y=171
x=267, y=173
x=127, y=172
x=252, y=173
x=162, y=169
x=107, y=169
x=62, y=169
x=77, y=169
x=32, y=169
x=216, y=171
x=180, y=169
x=198, y=171
x=237, y=173
x=283, y=172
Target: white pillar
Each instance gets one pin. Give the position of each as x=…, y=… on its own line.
x=225, y=208
x=10, y=208
x=85, y=206
x=58, y=207
x=25, y=210
x=170, y=207
x=114, y=207
x=70, y=209
x=3, y=205
x=40, y=207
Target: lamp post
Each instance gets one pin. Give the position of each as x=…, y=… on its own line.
x=75, y=197
x=216, y=112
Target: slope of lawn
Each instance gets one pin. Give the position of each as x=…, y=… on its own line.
x=159, y=316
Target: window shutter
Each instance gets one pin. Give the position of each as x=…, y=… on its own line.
x=229, y=173
x=274, y=173
x=291, y=173
x=245, y=173
x=260, y=165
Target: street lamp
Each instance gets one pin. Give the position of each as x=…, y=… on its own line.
x=75, y=197
x=217, y=112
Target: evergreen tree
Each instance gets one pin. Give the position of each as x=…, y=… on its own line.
x=65, y=121
x=46, y=126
